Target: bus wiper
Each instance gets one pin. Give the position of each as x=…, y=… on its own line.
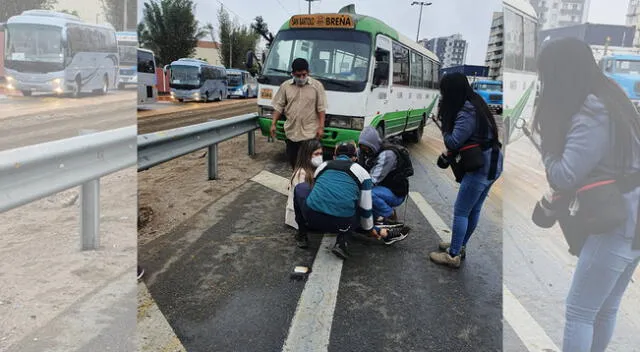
x=334, y=81
x=278, y=70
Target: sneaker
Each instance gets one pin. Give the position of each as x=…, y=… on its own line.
x=444, y=246
x=396, y=234
x=302, y=241
x=340, y=250
x=387, y=222
x=140, y=272
x=444, y=258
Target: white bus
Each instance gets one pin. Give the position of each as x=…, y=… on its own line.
x=372, y=74
x=53, y=52
x=519, y=65
x=147, y=89
x=127, y=52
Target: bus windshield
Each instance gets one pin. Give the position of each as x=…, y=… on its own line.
x=128, y=53
x=490, y=87
x=628, y=67
x=339, y=58
x=185, y=76
x=31, y=43
x=234, y=79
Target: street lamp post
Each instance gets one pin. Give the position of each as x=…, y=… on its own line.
x=309, y=1
x=421, y=4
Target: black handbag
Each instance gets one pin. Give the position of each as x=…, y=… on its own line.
x=599, y=206
x=471, y=157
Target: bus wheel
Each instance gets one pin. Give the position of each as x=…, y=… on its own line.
x=120, y=86
x=75, y=92
x=26, y=93
x=415, y=136
x=105, y=85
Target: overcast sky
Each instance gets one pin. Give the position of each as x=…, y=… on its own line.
x=442, y=18
x=608, y=11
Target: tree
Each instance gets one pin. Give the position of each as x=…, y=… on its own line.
x=10, y=8
x=114, y=11
x=169, y=28
x=261, y=27
x=235, y=41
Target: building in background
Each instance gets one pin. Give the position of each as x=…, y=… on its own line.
x=633, y=19
x=89, y=10
x=495, y=47
x=452, y=50
x=604, y=39
x=561, y=13
x=209, y=51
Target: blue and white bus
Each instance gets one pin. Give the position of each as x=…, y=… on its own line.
x=197, y=80
x=146, y=69
x=47, y=51
x=242, y=84
x=127, y=52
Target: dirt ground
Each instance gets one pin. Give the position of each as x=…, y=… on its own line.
x=44, y=275
x=170, y=193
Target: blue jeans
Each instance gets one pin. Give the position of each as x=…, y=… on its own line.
x=605, y=267
x=384, y=201
x=474, y=189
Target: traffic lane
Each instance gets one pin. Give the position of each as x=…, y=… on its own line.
x=16, y=106
x=58, y=124
x=222, y=278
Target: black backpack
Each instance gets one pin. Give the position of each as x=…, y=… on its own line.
x=404, y=167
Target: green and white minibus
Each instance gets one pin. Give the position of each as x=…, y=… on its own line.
x=372, y=75
x=519, y=75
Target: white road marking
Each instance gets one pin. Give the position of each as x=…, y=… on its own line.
x=528, y=330
x=310, y=328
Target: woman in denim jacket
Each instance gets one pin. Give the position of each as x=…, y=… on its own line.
x=466, y=119
x=587, y=127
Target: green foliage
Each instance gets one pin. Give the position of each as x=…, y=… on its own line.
x=235, y=41
x=169, y=28
x=9, y=8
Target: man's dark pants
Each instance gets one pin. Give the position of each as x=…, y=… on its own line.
x=311, y=220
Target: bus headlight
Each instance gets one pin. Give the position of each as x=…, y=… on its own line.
x=10, y=79
x=266, y=112
x=56, y=82
x=354, y=123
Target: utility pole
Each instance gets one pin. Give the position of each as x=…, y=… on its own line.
x=124, y=23
x=309, y=1
x=421, y=4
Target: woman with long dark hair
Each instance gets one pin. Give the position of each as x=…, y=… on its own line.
x=309, y=158
x=470, y=132
x=589, y=130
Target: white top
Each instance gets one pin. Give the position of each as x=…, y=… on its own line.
x=290, y=214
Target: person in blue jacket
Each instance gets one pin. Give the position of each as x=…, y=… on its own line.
x=467, y=120
x=589, y=127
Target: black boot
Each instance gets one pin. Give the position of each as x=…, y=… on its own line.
x=302, y=241
x=340, y=249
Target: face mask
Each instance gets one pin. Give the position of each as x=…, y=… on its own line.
x=300, y=81
x=316, y=160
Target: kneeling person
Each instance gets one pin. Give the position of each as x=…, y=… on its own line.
x=389, y=168
x=338, y=201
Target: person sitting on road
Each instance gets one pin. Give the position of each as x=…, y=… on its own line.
x=386, y=164
x=309, y=158
x=341, y=194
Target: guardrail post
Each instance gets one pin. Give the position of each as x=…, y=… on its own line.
x=252, y=143
x=90, y=211
x=213, y=162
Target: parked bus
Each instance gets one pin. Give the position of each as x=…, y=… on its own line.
x=519, y=63
x=241, y=84
x=625, y=70
x=491, y=92
x=127, y=52
x=197, y=80
x=372, y=75
x=54, y=52
x=146, y=70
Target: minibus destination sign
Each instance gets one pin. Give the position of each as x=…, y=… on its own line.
x=322, y=21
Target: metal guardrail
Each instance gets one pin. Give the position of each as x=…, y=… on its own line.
x=159, y=147
x=37, y=171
